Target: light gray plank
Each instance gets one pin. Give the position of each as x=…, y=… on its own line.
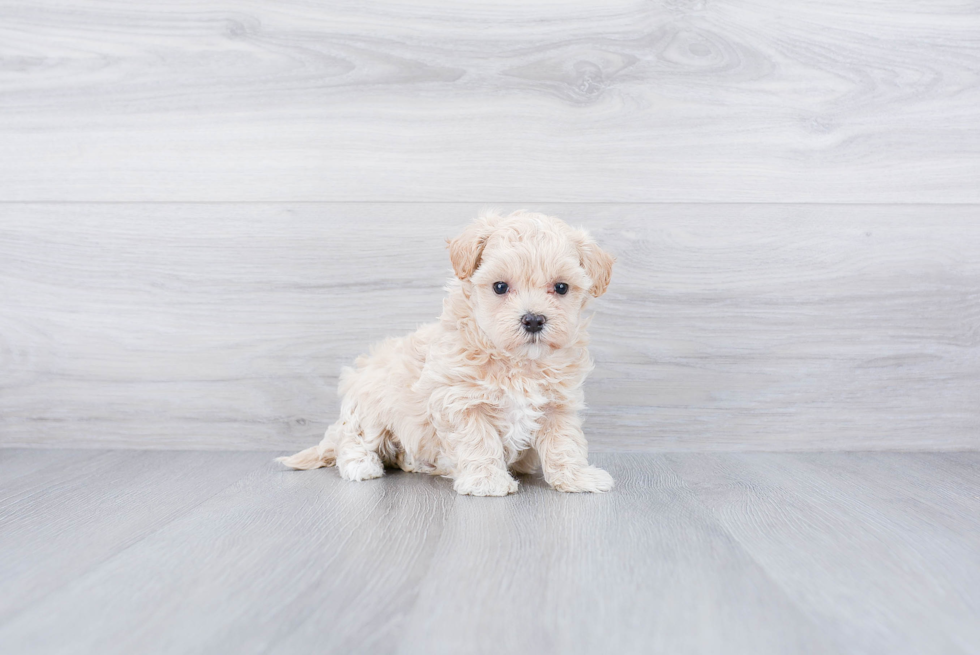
x=18, y=463
x=942, y=488
x=757, y=553
x=726, y=326
x=879, y=567
x=280, y=556
x=642, y=569
x=60, y=522
x=958, y=468
x=521, y=101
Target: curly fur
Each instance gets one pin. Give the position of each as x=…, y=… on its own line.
x=475, y=396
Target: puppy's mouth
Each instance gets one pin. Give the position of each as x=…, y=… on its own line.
x=532, y=338
x=539, y=339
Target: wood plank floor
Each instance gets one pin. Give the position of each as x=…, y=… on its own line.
x=226, y=552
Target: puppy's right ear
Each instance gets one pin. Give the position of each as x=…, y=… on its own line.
x=466, y=249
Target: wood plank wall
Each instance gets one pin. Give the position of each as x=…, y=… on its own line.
x=206, y=208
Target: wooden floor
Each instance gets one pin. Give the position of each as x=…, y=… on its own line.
x=208, y=208
x=207, y=552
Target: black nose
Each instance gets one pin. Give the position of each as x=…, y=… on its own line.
x=533, y=322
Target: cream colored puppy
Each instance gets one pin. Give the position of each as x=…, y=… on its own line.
x=496, y=384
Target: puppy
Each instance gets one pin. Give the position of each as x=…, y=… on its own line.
x=496, y=384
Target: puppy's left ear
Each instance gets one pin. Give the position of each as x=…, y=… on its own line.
x=466, y=250
x=597, y=262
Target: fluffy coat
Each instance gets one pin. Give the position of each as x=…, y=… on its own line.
x=478, y=395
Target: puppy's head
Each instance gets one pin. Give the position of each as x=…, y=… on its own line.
x=527, y=277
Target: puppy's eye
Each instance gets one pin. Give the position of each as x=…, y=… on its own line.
x=500, y=288
x=561, y=288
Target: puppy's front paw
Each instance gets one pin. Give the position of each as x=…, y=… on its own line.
x=485, y=482
x=581, y=479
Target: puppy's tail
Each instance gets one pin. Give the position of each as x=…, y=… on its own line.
x=323, y=454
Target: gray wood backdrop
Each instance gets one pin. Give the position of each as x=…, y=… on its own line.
x=206, y=208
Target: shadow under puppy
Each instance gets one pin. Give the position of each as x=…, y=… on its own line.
x=496, y=384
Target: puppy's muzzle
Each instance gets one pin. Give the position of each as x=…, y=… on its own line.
x=533, y=322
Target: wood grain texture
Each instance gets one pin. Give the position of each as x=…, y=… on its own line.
x=666, y=101
x=755, y=553
x=276, y=558
x=16, y=463
x=866, y=587
x=726, y=326
x=643, y=569
x=59, y=522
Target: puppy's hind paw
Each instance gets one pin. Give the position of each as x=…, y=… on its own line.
x=581, y=479
x=364, y=467
x=486, y=482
